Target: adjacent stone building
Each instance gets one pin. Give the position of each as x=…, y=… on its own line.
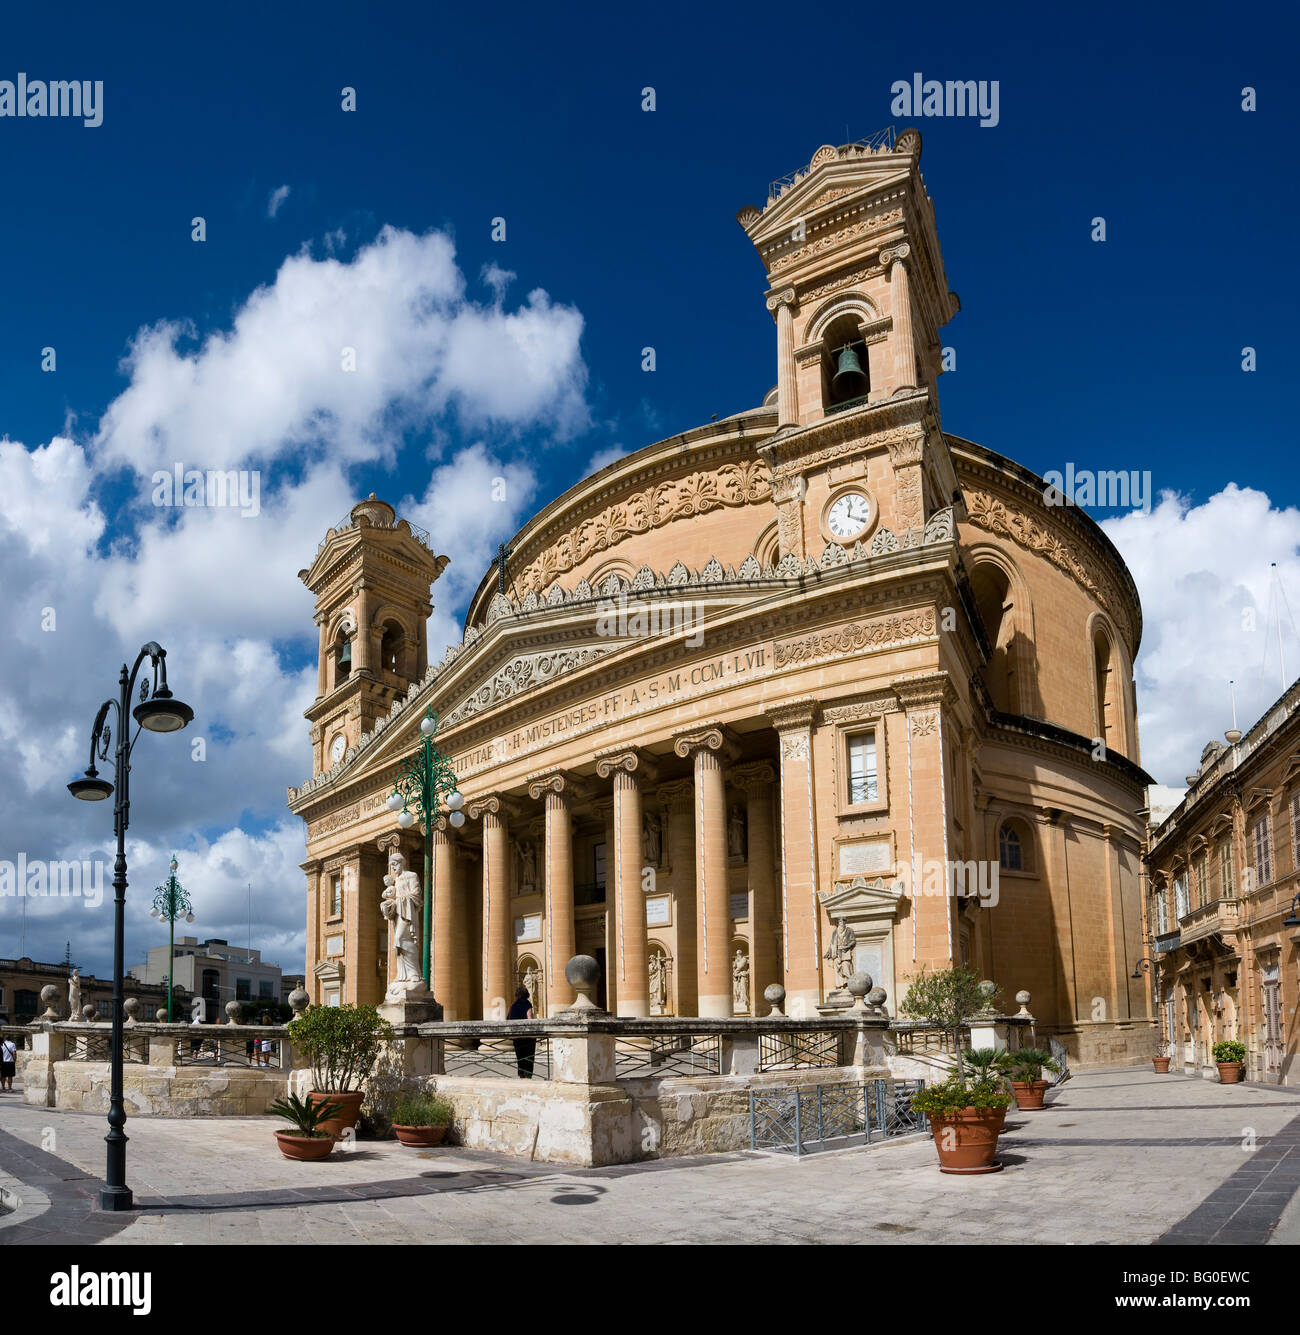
x=21, y=981
x=749, y=704
x=1222, y=911
x=214, y=970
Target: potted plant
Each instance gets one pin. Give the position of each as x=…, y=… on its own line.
x=1161, y=1059
x=967, y=1110
x=309, y=1140
x=1230, y=1057
x=421, y=1120
x=1025, y=1071
x=342, y=1043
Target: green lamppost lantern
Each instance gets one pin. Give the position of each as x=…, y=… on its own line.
x=425, y=777
x=171, y=901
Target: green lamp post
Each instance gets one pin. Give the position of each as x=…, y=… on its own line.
x=171, y=901
x=426, y=775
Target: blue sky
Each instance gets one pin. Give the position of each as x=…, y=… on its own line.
x=1122, y=354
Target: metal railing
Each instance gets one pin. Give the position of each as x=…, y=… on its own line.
x=655, y=1056
x=241, y=1050
x=790, y=1052
x=497, y=1057
x=99, y=1048
x=802, y=1120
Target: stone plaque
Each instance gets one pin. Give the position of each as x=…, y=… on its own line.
x=658, y=911
x=869, y=957
x=740, y=906
x=333, y=945
x=865, y=857
x=529, y=927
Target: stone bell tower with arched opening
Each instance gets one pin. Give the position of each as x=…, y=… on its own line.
x=858, y=291
x=372, y=576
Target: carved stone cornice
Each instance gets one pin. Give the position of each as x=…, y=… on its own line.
x=627, y=759
x=711, y=737
x=851, y=711
x=793, y=714
x=880, y=633
x=924, y=690
x=895, y=420
x=757, y=774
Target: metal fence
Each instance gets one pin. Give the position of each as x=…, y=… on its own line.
x=823, y=1117
x=207, y=1050
x=640, y=1056
x=799, y=1050
x=99, y=1048
x=497, y=1057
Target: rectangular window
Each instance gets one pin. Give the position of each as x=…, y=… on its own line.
x=862, y=767
x=1201, y=870
x=1162, y=914
x=336, y=895
x=1226, y=889
x=104, y=1009
x=243, y=989
x=1180, y=895
x=264, y=988
x=1263, y=853
x=598, y=865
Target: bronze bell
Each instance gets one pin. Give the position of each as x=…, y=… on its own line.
x=345, y=654
x=849, y=381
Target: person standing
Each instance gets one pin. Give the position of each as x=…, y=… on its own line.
x=8, y=1064
x=525, y=1048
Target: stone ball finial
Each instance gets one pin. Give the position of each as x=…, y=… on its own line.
x=987, y=990
x=49, y=995
x=232, y=1011
x=299, y=1000
x=130, y=1010
x=859, y=984
x=582, y=973
x=88, y=1013
x=876, y=999
x=1022, y=1000
x=774, y=995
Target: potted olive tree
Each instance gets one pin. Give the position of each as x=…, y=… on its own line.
x=968, y=1109
x=1024, y=1069
x=342, y=1043
x=1230, y=1057
x=421, y=1119
x=309, y=1139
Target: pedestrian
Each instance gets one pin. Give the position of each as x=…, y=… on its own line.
x=266, y=1042
x=197, y=1042
x=525, y=1048
x=8, y=1064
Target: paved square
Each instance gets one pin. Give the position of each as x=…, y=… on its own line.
x=1121, y=1156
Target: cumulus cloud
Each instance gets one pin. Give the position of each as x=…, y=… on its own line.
x=88, y=582
x=275, y=199
x=1203, y=573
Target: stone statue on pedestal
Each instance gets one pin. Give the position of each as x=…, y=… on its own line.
x=401, y=903
x=658, y=982
x=840, y=951
x=74, y=995
x=651, y=840
x=740, y=982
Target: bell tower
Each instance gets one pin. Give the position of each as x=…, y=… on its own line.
x=372, y=577
x=857, y=287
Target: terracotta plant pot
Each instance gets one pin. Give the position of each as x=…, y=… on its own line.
x=306, y=1149
x=1161, y=1064
x=347, y=1118
x=1029, y=1094
x=967, y=1141
x=420, y=1137
x=1229, y=1073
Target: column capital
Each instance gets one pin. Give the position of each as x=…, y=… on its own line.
x=893, y=254
x=493, y=804
x=794, y=714
x=755, y=774
x=558, y=782
x=783, y=297
x=628, y=760
x=709, y=737
x=924, y=690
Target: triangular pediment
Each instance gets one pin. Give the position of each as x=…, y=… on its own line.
x=858, y=896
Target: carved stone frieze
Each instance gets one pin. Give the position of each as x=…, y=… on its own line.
x=883, y=632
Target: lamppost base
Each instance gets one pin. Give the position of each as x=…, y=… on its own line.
x=116, y=1198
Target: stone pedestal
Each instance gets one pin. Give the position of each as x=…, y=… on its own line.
x=417, y=1006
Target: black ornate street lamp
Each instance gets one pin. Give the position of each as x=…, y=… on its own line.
x=1143, y=963
x=426, y=774
x=157, y=711
x=171, y=901
x=1292, y=919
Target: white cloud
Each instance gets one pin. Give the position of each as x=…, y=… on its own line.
x=275, y=199
x=1203, y=573
x=605, y=457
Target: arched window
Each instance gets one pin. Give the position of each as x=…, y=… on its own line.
x=392, y=647
x=1015, y=847
x=1110, y=710
x=1002, y=601
x=846, y=374
x=342, y=658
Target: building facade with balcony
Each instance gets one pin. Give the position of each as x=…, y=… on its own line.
x=813, y=689
x=21, y=981
x=1221, y=911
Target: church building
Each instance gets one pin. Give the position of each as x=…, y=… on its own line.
x=813, y=689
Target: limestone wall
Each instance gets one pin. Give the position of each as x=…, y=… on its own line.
x=153, y=1091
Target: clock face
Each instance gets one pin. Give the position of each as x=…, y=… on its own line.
x=850, y=515
x=337, y=747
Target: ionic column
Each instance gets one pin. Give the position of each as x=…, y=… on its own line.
x=444, y=918
x=498, y=973
x=900, y=309
x=628, y=768
x=787, y=392
x=677, y=801
x=361, y=637
x=756, y=782
x=713, y=965
x=558, y=912
x=800, y=910
x=322, y=663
